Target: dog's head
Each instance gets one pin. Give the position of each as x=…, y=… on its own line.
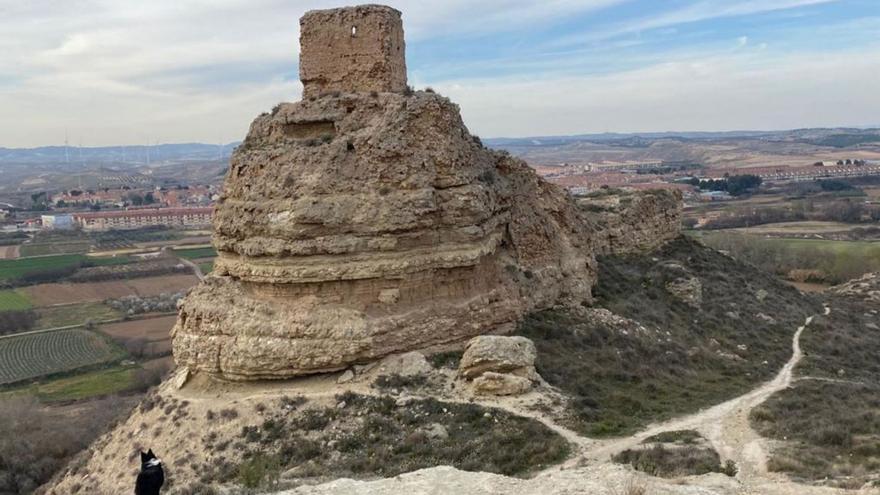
x=149, y=460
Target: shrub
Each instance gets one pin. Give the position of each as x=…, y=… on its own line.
x=669, y=462
x=396, y=381
x=17, y=321
x=260, y=471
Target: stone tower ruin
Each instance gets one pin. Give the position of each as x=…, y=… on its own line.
x=353, y=49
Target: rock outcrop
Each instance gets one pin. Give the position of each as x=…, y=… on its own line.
x=865, y=288
x=491, y=383
x=629, y=222
x=499, y=365
x=498, y=354
x=359, y=223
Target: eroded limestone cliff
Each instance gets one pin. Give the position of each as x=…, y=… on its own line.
x=359, y=223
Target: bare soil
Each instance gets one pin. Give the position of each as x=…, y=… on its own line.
x=9, y=252
x=67, y=293
x=153, y=330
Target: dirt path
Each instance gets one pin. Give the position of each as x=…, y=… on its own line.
x=195, y=267
x=726, y=426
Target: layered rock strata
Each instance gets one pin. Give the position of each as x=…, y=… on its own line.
x=629, y=222
x=366, y=220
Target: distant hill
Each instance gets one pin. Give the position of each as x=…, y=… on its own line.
x=842, y=136
x=117, y=154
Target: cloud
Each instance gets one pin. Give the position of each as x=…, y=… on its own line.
x=78, y=63
x=722, y=93
x=695, y=12
x=128, y=71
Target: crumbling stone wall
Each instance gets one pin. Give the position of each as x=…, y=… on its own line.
x=353, y=49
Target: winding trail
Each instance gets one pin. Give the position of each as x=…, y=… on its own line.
x=197, y=270
x=726, y=426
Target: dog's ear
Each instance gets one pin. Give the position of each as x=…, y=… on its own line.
x=144, y=457
x=150, y=454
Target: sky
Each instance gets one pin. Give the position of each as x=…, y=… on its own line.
x=112, y=72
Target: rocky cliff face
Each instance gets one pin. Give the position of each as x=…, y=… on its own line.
x=632, y=221
x=355, y=225
x=365, y=220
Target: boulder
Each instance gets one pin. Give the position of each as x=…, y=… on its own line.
x=499, y=354
x=407, y=364
x=688, y=290
x=491, y=383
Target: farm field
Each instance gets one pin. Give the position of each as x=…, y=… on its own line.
x=69, y=293
x=185, y=241
x=155, y=331
x=196, y=253
x=822, y=261
x=11, y=300
x=22, y=266
x=74, y=314
x=792, y=228
x=28, y=356
x=858, y=248
x=85, y=385
x=50, y=248
x=9, y=252
x=206, y=267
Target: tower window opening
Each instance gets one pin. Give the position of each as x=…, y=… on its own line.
x=354, y=31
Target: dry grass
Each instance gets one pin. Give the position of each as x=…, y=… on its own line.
x=829, y=420
x=620, y=379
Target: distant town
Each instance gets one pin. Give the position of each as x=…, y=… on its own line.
x=114, y=209
x=687, y=177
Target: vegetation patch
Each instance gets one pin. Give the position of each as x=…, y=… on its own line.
x=831, y=261
x=51, y=248
x=11, y=300
x=36, y=441
x=674, y=358
x=687, y=437
x=74, y=314
x=675, y=461
x=206, y=267
x=11, y=269
x=365, y=437
x=449, y=359
x=828, y=422
x=196, y=253
x=87, y=385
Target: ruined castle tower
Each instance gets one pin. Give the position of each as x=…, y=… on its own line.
x=365, y=220
x=358, y=49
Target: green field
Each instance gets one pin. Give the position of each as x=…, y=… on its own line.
x=207, y=267
x=196, y=253
x=23, y=357
x=22, y=266
x=119, y=259
x=74, y=314
x=50, y=248
x=11, y=300
x=86, y=385
x=833, y=261
x=857, y=248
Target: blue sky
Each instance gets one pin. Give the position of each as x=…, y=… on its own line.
x=125, y=72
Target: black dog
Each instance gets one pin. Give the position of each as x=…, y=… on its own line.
x=151, y=477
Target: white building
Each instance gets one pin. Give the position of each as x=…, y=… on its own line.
x=57, y=222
